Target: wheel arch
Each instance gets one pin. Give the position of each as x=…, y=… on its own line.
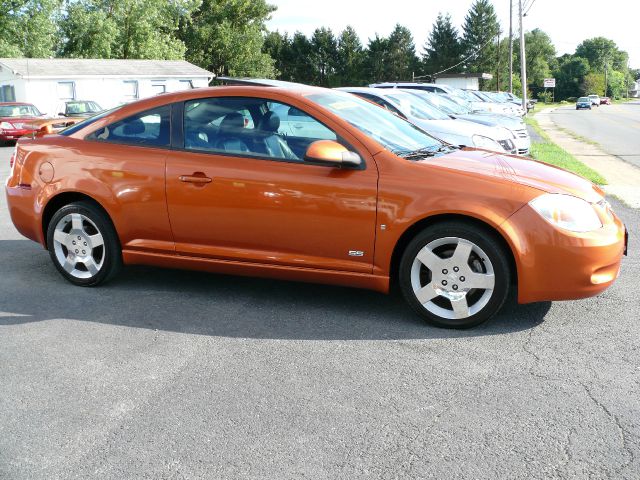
x=58, y=201
x=426, y=222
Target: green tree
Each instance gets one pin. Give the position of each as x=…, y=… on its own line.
x=324, y=48
x=350, y=58
x=123, y=28
x=375, y=59
x=594, y=84
x=278, y=47
x=227, y=36
x=480, y=34
x=443, y=49
x=28, y=27
x=617, y=87
x=401, y=60
x=540, y=55
x=301, y=59
x=569, y=75
x=600, y=51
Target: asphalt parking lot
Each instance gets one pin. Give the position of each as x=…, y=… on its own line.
x=180, y=375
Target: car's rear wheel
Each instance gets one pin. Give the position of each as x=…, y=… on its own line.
x=455, y=275
x=83, y=244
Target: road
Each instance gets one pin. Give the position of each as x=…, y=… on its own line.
x=615, y=127
x=178, y=375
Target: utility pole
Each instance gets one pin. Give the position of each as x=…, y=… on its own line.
x=606, y=82
x=498, y=65
x=510, y=46
x=523, y=63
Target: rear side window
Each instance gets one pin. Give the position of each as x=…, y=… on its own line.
x=150, y=128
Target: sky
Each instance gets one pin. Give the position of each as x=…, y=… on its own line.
x=567, y=22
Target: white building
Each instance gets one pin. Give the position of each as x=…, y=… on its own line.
x=634, y=90
x=466, y=81
x=47, y=83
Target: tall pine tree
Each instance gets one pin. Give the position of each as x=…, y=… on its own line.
x=349, y=68
x=401, y=61
x=443, y=48
x=480, y=35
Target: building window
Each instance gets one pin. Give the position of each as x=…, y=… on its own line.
x=186, y=84
x=158, y=87
x=130, y=90
x=7, y=93
x=66, y=90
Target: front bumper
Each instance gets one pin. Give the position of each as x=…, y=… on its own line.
x=554, y=264
x=10, y=135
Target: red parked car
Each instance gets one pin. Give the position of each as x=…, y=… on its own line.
x=605, y=101
x=17, y=120
x=20, y=119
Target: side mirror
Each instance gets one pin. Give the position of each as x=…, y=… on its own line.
x=61, y=114
x=332, y=154
x=45, y=130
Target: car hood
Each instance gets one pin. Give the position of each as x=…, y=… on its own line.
x=459, y=127
x=494, y=119
x=19, y=121
x=523, y=171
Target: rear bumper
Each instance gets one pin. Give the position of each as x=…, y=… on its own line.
x=23, y=207
x=554, y=264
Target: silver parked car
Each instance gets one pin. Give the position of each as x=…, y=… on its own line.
x=435, y=122
x=459, y=110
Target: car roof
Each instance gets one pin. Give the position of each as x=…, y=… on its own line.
x=15, y=104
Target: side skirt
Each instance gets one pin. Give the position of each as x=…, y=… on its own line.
x=378, y=283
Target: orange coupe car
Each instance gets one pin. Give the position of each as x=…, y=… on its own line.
x=317, y=185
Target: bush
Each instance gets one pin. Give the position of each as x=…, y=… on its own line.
x=545, y=96
x=572, y=99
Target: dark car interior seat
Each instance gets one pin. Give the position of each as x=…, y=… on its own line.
x=275, y=145
x=230, y=134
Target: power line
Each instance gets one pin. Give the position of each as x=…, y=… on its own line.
x=459, y=63
x=529, y=7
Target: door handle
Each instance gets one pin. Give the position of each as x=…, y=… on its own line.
x=197, y=178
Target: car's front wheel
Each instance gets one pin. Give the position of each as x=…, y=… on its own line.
x=83, y=244
x=455, y=275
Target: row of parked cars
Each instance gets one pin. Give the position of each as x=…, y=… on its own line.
x=18, y=119
x=288, y=181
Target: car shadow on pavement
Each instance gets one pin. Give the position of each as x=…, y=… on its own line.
x=221, y=305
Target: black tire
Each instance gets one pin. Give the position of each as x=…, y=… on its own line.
x=488, y=244
x=109, y=253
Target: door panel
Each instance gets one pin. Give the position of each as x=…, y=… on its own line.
x=274, y=212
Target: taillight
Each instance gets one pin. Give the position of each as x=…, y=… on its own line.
x=14, y=156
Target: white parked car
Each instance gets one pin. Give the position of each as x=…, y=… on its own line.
x=595, y=100
x=435, y=122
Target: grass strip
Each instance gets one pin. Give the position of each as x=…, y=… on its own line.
x=548, y=152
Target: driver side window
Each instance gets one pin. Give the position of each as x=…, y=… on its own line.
x=250, y=127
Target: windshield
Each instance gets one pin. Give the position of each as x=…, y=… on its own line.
x=442, y=103
x=392, y=132
x=482, y=96
x=83, y=107
x=583, y=99
x=19, y=111
x=80, y=125
x=418, y=108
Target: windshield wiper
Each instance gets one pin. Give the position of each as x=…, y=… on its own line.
x=425, y=152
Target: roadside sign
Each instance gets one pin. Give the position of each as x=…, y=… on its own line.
x=549, y=83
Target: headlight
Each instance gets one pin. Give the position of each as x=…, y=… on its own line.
x=6, y=126
x=486, y=142
x=567, y=212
